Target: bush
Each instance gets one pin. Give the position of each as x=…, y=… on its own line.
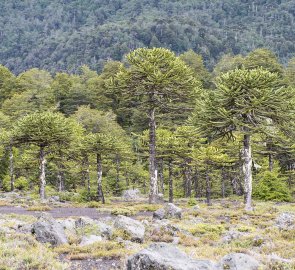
x=21, y=183
x=272, y=187
x=6, y=183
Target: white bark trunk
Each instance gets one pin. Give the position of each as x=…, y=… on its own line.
x=248, y=172
x=42, y=177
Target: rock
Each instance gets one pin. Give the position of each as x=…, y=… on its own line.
x=84, y=221
x=68, y=224
x=162, y=256
x=133, y=228
x=54, y=199
x=25, y=228
x=88, y=240
x=286, y=221
x=131, y=195
x=106, y=231
x=48, y=230
x=196, y=207
x=168, y=211
x=164, y=227
x=238, y=261
x=231, y=235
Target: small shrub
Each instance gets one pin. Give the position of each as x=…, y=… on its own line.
x=21, y=183
x=6, y=183
x=192, y=202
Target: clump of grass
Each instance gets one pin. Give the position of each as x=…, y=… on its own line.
x=109, y=249
x=203, y=228
x=243, y=228
x=125, y=211
x=3, y=203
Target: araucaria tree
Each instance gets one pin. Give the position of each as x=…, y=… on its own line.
x=44, y=130
x=246, y=102
x=157, y=82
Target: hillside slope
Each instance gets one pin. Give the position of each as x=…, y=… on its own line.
x=63, y=34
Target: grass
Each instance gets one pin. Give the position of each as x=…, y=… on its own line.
x=24, y=252
x=107, y=249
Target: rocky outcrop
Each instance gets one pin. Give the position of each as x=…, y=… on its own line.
x=286, y=221
x=48, y=230
x=90, y=239
x=238, y=261
x=168, y=211
x=131, y=195
x=162, y=256
x=133, y=228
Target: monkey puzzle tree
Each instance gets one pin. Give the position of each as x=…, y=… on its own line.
x=156, y=82
x=247, y=101
x=45, y=129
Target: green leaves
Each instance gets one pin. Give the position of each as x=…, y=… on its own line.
x=245, y=99
x=45, y=129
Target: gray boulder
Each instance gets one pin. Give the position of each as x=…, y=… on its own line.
x=232, y=235
x=238, y=261
x=48, y=230
x=105, y=230
x=168, y=211
x=286, y=221
x=131, y=195
x=90, y=239
x=133, y=228
x=84, y=221
x=162, y=256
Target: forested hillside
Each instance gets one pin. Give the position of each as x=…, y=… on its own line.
x=61, y=35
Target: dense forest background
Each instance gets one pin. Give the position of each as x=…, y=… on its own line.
x=62, y=35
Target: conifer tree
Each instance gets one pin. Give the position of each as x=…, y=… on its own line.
x=247, y=101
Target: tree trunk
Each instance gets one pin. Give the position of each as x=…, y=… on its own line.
x=60, y=177
x=187, y=181
x=196, y=184
x=42, y=177
x=117, y=175
x=161, y=175
x=248, y=172
x=170, y=180
x=223, y=178
x=126, y=178
x=270, y=162
x=100, y=195
x=152, y=151
x=208, y=188
x=11, y=168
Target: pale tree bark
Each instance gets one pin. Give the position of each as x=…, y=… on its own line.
x=161, y=175
x=152, y=151
x=100, y=195
x=11, y=168
x=60, y=177
x=42, y=177
x=248, y=172
x=170, y=181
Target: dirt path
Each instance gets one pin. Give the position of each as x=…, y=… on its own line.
x=63, y=212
